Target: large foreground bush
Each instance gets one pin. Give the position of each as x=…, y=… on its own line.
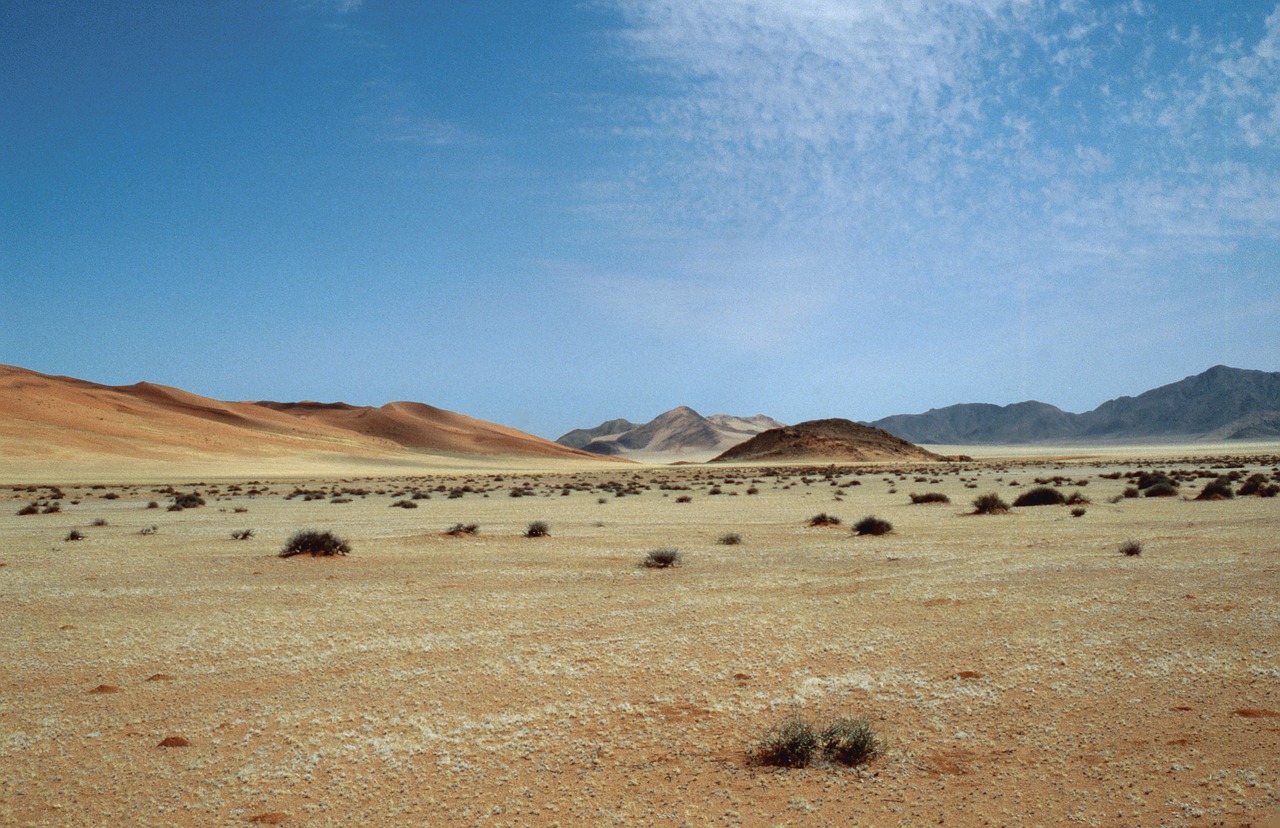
x=314, y=543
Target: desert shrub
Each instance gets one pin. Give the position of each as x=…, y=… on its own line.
x=872, y=525
x=848, y=741
x=1162, y=490
x=52, y=508
x=1078, y=511
x=684, y=499
x=29, y=509
x=989, y=504
x=1217, y=489
x=458, y=529
x=148, y=530
x=404, y=504
x=1040, y=496
x=1148, y=479
x=1131, y=491
x=537, y=529
x=74, y=535
x=1077, y=499
x=930, y=497
x=100, y=522
x=753, y=490
x=242, y=534
x=1131, y=548
x=153, y=505
x=824, y=519
x=186, y=500
x=314, y=543
x=790, y=744
x=730, y=539
x=664, y=558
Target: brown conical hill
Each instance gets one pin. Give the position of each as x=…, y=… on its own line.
x=824, y=441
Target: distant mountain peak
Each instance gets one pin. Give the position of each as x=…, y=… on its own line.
x=679, y=434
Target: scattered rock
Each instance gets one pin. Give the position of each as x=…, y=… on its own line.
x=173, y=742
x=966, y=674
x=161, y=677
x=68, y=627
x=105, y=688
x=1256, y=713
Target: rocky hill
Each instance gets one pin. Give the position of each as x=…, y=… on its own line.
x=832, y=440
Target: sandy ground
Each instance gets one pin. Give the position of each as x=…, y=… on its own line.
x=1017, y=668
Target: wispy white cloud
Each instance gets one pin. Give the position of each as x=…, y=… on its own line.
x=823, y=116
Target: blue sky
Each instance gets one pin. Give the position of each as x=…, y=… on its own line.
x=551, y=214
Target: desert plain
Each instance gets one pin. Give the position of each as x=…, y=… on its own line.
x=1016, y=668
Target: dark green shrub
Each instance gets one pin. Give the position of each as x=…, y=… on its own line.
x=314, y=543
x=664, y=558
x=872, y=525
x=790, y=744
x=1040, y=496
x=537, y=529
x=848, y=742
x=186, y=500
x=989, y=504
x=930, y=497
x=1217, y=489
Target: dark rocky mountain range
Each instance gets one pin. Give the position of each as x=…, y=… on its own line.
x=1219, y=404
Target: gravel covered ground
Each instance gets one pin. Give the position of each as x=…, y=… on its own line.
x=1017, y=669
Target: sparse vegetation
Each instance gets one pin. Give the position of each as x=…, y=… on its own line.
x=872, y=525
x=684, y=499
x=930, y=497
x=74, y=535
x=1131, y=548
x=458, y=529
x=664, y=558
x=730, y=539
x=314, y=543
x=148, y=530
x=790, y=744
x=989, y=504
x=848, y=741
x=824, y=519
x=797, y=743
x=29, y=509
x=404, y=504
x=537, y=529
x=242, y=534
x=1079, y=511
x=1162, y=490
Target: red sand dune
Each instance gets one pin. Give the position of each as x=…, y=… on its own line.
x=60, y=417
